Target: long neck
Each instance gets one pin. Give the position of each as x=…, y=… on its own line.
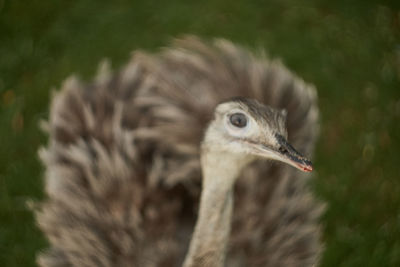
x=211, y=234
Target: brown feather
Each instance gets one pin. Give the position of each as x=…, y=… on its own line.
x=122, y=164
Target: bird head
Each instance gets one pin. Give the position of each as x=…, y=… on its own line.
x=250, y=130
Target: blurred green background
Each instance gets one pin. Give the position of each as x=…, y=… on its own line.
x=349, y=49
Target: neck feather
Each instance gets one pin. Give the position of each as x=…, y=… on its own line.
x=211, y=234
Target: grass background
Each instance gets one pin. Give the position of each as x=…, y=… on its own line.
x=349, y=49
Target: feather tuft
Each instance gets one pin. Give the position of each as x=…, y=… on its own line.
x=122, y=164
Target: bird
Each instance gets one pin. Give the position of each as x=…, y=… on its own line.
x=188, y=156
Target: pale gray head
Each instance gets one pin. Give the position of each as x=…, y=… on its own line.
x=248, y=130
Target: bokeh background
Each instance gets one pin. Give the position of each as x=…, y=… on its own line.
x=349, y=49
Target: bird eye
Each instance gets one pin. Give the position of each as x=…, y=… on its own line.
x=238, y=120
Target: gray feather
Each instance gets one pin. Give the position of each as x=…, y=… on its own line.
x=122, y=163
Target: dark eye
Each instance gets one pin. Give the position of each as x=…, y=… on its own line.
x=238, y=119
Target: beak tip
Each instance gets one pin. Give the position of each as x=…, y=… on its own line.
x=308, y=169
x=305, y=168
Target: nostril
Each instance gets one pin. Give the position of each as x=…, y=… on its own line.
x=282, y=150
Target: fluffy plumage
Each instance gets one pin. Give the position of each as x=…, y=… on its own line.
x=122, y=165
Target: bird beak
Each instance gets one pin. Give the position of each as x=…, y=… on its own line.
x=285, y=153
x=289, y=155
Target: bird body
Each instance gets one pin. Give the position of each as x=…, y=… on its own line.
x=131, y=153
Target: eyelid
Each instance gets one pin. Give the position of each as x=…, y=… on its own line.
x=236, y=131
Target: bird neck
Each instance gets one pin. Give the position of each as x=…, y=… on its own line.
x=211, y=234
